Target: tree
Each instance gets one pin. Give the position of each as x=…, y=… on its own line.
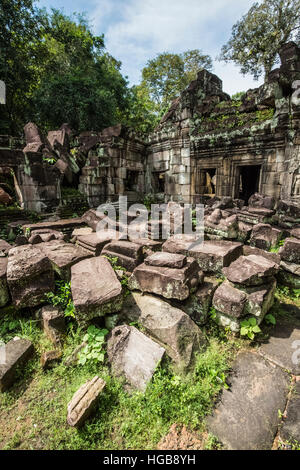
x=80, y=83
x=257, y=37
x=168, y=74
x=55, y=71
x=142, y=113
x=19, y=35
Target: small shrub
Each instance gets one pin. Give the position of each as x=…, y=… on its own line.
x=93, y=352
x=250, y=328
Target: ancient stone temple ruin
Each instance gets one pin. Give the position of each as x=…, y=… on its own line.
x=206, y=145
x=240, y=159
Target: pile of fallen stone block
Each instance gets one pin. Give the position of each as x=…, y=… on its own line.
x=248, y=291
x=172, y=287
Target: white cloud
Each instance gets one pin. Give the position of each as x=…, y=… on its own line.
x=137, y=30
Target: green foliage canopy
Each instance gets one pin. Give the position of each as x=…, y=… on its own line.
x=257, y=37
x=168, y=74
x=56, y=70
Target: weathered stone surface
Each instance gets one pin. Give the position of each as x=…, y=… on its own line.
x=289, y=209
x=21, y=240
x=54, y=323
x=251, y=270
x=180, y=438
x=83, y=401
x=92, y=218
x=170, y=326
x=252, y=250
x=290, y=267
x=129, y=254
x=198, y=304
x=34, y=239
x=61, y=225
x=260, y=200
x=96, y=291
x=147, y=243
x=4, y=294
x=290, y=251
x=29, y=276
x=4, y=247
x=287, y=278
x=95, y=242
x=167, y=260
x=170, y=283
x=133, y=356
x=82, y=231
x=213, y=255
x=63, y=255
x=244, y=232
x=47, y=235
x=264, y=236
x=290, y=429
x=34, y=139
x=50, y=358
x=247, y=416
x=260, y=299
x=282, y=347
x=295, y=233
x=264, y=214
x=180, y=244
x=229, y=300
x=14, y=353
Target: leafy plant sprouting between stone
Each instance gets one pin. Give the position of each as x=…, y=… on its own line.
x=250, y=328
x=62, y=298
x=94, y=351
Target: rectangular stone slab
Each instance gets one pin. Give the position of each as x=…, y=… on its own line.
x=283, y=345
x=212, y=256
x=290, y=251
x=94, y=242
x=252, y=270
x=129, y=254
x=168, y=282
x=133, y=355
x=63, y=255
x=96, y=291
x=169, y=325
x=14, y=353
x=29, y=276
x=229, y=300
x=246, y=417
x=167, y=260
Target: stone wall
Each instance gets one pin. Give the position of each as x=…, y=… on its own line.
x=206, y=145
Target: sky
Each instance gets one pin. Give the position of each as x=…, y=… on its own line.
x=137, y=30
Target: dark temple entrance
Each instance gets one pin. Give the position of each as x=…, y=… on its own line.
x=249, y=178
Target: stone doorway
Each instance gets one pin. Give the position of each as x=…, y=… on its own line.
x=206, y=181
x=248, y=181
x=131, y=182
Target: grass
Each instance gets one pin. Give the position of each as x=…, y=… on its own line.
x=33, y=411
